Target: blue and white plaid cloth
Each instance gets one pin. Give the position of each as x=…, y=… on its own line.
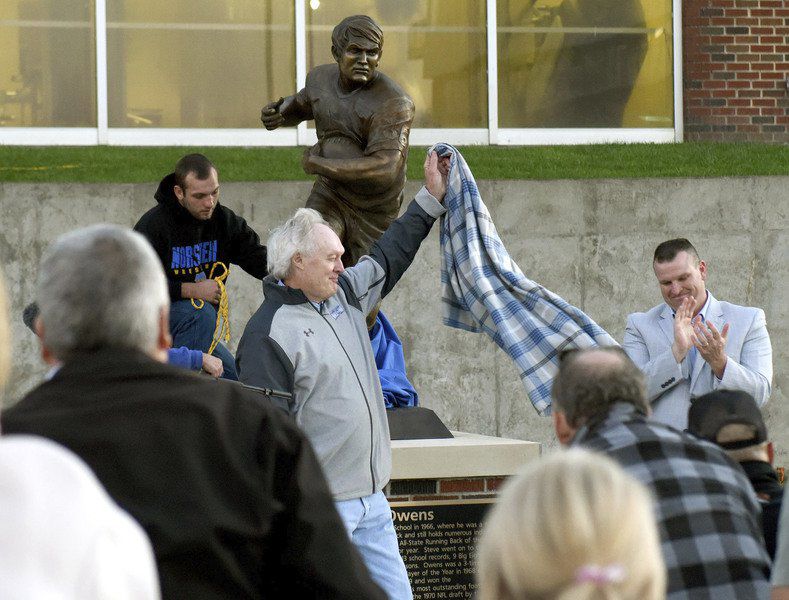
x=484, y=290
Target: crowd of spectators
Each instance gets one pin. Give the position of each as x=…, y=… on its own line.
x=122, y=476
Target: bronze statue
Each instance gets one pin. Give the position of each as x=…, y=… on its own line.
x=363, y=119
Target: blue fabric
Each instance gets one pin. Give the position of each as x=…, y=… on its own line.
x=370, y=527
x=194, y=328
x=185, y=358
x=388, y=352
x=484, y=290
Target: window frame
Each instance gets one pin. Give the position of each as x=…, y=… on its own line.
x=304, y=136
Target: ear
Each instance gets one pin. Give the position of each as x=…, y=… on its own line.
x=336, y=54
x=46, y=354
x=163, y=339
x=38, y=327
x=179, y=192
x=564, y=432
x=770, y=452
x=298, y=261
x=703, y=270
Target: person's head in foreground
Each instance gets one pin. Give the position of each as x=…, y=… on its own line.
x=61, y=536
x=572, y=526
x=589, y=384
x=102, y=287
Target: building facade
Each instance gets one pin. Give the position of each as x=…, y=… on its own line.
x=736, y=70
x=196, y=72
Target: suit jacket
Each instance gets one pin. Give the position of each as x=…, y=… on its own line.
x=671, y=386
x=229, y=491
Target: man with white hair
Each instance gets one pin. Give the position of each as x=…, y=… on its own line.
x=228, y=490
x=309, y=338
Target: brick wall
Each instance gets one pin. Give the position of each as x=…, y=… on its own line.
x=421, y=490
x=736, y=65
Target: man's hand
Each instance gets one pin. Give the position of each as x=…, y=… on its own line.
x=271, y=116
x=436, y=171
x=683, y=330
x=711, y=345
x=207, y=290
x=212, y=365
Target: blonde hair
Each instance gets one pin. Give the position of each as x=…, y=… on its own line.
x=573, y=526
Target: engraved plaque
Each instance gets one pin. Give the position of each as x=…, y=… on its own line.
x=437, y=542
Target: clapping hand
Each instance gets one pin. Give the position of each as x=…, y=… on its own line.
x=683, y=329
x=711, y=345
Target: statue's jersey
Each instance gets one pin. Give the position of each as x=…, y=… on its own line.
x=374, y=117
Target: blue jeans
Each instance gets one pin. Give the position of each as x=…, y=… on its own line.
x=369, y=523
x=194, y=328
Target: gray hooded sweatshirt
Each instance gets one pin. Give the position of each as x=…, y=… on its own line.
x=322, y=356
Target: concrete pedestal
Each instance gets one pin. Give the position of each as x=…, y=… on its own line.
x=439, y=493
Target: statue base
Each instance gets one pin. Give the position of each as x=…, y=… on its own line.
x=415, y=423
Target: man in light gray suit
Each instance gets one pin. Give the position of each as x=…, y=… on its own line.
x=694, y=344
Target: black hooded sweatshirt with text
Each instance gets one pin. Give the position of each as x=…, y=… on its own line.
x=189, y=247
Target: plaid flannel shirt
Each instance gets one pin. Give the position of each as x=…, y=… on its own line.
x=483, y=289
x=707, y=512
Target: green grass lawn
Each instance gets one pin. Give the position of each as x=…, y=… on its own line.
x=148, y=164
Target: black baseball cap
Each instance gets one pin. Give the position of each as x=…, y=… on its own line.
x=709, y=413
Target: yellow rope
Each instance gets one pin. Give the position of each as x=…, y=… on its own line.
x=222, y=328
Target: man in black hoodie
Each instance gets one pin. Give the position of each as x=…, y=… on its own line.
x=197, y=239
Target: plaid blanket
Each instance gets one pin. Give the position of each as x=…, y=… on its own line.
x=484, y=290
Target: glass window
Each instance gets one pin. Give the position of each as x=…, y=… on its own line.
x=197, y=63
x=47, y=63
x=435, y=50
x=585, y=63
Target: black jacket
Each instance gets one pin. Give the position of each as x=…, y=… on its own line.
x=188, y=247
x=229, y=491
x=765, y=483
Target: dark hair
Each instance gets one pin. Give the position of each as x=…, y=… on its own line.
x=358, y=25
x=192, y=163
x=584, y=390
x=668, y=250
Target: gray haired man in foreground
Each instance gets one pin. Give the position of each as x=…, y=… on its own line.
x=228, y=490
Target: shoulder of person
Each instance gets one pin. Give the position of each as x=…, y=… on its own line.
x=226, y=217
x=388, y=89
x=151, y=218
x=322, y=74
x=648, y=315
x=739, y=310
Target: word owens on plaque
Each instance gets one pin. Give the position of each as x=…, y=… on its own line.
x=437, y=542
